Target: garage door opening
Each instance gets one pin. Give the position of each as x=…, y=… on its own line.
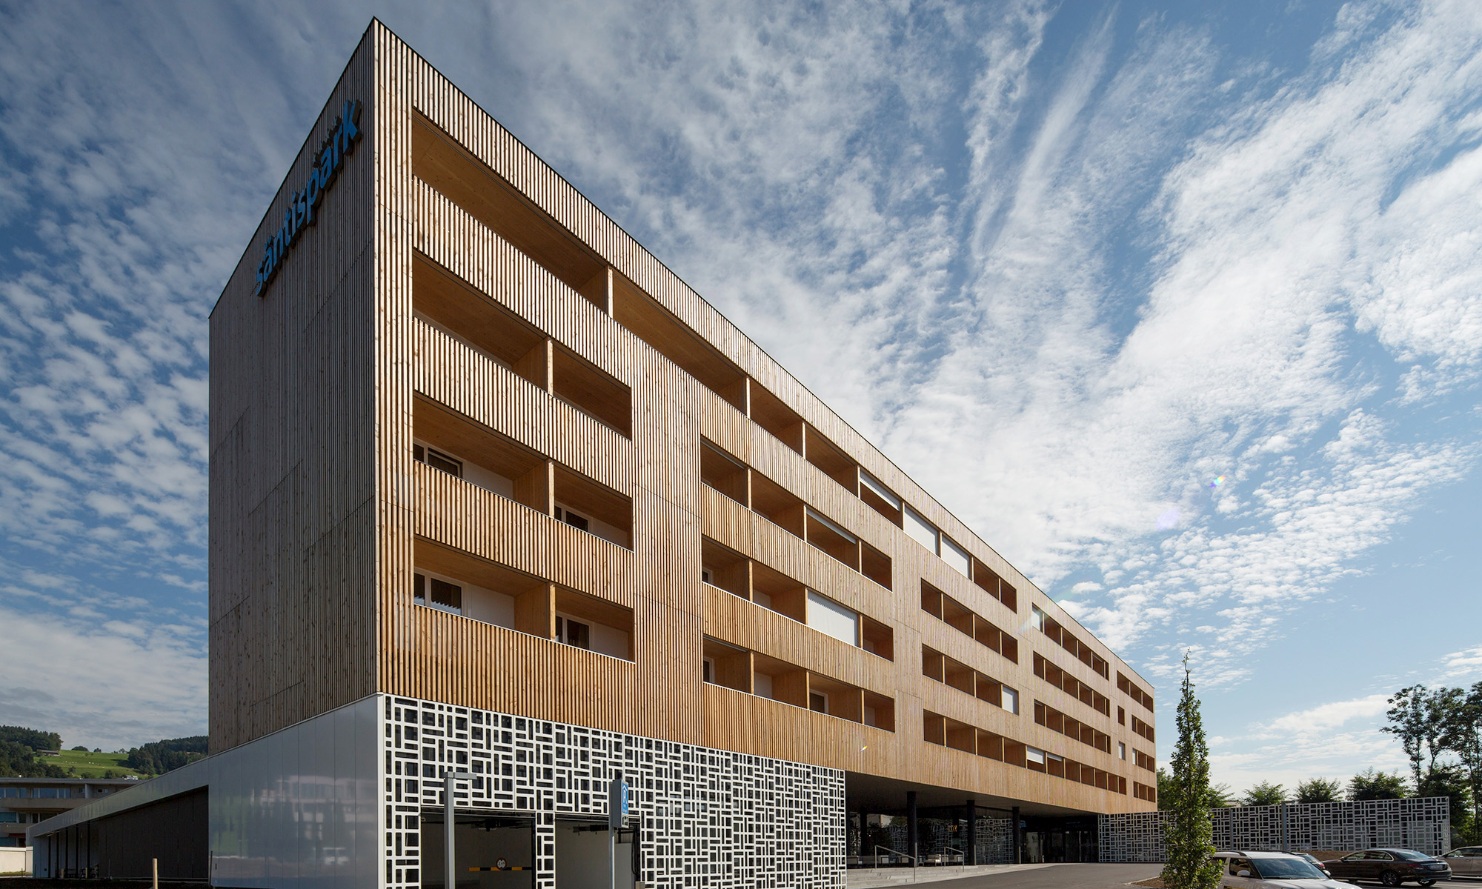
x=581, y=855
x=493, y=852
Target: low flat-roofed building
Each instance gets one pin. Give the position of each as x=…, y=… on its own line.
x=27, y=801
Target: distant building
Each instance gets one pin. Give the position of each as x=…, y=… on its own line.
x=494, y=492
x=27, y=801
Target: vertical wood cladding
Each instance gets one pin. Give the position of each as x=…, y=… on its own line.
x=293, y=469
x=319, y=510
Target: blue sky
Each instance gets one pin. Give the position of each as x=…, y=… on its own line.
x=1178, y=305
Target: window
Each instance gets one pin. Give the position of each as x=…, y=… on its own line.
x=919, y=529
x=575, y=520
x=828, y=616
x=13, y=792
x=10, y=817
x=573, y=633
x=708, y=669
x=438, y=460
x=1121, y=750
x=956, y=556
x=1038, y=618
x=817, y=702
x=1010, y=700
x=435, y=592
x=708, y=576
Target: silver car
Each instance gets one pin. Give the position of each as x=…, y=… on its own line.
x=1465, y=862
x=1271, y=870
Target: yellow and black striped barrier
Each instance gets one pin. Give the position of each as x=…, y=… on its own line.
x=500, y=866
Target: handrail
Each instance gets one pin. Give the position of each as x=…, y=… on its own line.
x=878, y=847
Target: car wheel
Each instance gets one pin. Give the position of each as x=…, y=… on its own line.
x=1389, y=878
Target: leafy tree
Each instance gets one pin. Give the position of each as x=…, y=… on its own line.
x=28, y=737
x=1319, y=790
x=1425, y=723
x=1451, y=782
x=79, y=749
x=166, y=755
x=19, y=760
x=1188, y=828
x=1468, y=747
x=1370, y=784
x=1264, y=794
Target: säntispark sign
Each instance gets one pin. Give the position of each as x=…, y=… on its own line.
x=300, y=213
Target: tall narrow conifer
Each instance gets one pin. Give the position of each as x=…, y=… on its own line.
x=1188, y=828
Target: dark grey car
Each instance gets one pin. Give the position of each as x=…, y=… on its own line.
x=1390, y=867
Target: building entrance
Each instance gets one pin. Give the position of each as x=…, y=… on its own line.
x=1059, y=840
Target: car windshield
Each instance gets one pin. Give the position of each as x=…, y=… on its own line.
x=1287, y=869
x=1410, y=855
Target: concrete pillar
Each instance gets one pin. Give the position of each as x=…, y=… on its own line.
x=911, y=835
x=970, y=854
x=1014, y=856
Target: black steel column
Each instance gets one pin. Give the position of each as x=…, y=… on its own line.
x=970, y=854
x=1018, y=838
x=864, y=834
x=911, y=835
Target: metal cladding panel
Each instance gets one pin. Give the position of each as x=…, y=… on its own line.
x=300, y=806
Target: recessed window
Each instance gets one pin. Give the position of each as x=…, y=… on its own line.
x=708, y=670
x=437, y=593
x=708, y=576
x=573, y=633
x=1121, y=750
x=438, y=460
x=1010, y=700
x=817, y=702
x=574, y=519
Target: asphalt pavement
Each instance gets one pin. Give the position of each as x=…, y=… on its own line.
x=1057, y=876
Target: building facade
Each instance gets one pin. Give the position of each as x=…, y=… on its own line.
x=494, y=492
x=27, y=801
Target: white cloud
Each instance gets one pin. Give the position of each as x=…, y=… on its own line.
x=109, y=684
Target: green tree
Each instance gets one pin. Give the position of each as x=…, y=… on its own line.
x=29, y=737
x=1370, y=784
x=1467, y=739
x=159, y=757
x=1319, y=790
x=1423, y=720
x=1451, y=782
x=1264, y=794
x=1188, y=829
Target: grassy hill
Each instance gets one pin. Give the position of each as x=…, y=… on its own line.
x=91, y=765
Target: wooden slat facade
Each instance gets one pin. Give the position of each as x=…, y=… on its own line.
x=320, y=513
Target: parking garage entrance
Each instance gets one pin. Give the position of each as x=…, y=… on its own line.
x=499, y=852
x=493, y=852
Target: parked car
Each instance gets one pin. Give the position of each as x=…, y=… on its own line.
x=1465, y=862
x=1271, y=870
x=1390, y=867
x=1315, y=863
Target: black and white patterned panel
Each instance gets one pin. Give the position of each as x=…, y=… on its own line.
x=706, y=818
x=1422, y=824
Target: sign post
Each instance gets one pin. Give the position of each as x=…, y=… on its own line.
x=617, y=810
x=449, y=822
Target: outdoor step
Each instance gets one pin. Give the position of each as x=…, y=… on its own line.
x=872, y=877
